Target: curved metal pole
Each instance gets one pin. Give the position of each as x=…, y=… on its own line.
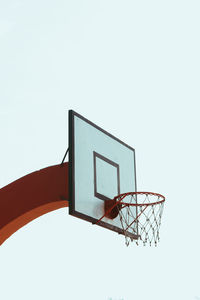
x=32, y=196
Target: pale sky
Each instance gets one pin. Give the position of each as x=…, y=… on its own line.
x=133, y=68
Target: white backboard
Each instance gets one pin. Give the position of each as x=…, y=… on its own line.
x=100, y=167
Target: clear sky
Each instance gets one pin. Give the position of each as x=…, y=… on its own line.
x=133, y=68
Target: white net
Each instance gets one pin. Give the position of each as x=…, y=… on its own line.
x=140, y=215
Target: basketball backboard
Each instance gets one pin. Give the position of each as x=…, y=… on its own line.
x=100, y=167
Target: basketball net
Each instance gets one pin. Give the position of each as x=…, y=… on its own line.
x=140, y=216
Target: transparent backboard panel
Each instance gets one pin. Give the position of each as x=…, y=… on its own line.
x=101, y=167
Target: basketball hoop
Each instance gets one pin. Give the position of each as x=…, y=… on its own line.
x=140, y=215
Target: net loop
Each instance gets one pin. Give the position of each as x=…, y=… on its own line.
x=140, y=215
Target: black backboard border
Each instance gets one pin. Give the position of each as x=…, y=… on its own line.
x=72, y=211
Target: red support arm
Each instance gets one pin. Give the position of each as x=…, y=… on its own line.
x=32, y=196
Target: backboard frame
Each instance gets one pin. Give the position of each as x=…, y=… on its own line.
x=72, y=211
